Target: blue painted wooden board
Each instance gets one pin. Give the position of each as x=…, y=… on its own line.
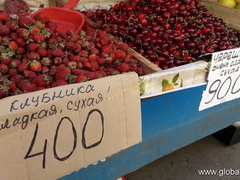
x=169, y=122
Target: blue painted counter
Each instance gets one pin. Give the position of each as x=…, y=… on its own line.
x=169, y=122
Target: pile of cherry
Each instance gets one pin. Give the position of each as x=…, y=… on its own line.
x=167, y=32
x=34, y=56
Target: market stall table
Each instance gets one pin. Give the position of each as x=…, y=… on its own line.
x=169, y=122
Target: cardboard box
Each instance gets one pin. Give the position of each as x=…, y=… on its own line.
x=51, y=133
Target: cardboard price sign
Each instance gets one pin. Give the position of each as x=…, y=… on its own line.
x=51, y=133
x=223, y=80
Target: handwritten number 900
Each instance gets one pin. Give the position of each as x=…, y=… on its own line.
x=221, y=89
x=43, y=153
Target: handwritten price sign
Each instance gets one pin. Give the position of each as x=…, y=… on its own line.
x=223, y=80
x=52, y=133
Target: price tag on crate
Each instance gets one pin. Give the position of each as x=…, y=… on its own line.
x=51, y=133
x=223, y=79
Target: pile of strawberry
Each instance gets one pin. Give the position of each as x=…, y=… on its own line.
x=34, y=56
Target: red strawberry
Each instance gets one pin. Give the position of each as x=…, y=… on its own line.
x=87, y=65
x=14, y=36
x=120, y=54
x=23, y=33
x=102, y=68
x=79, y=42
x=43, y=18
x=4, y=30
x=105, y=41
x=63, y=35
x=58, y=52
x=42, y=52
x=94, y=65
x=102, y=34
x=106, y=49
x=112, y=71
x=16, y=79
x=12, y=72
x=61, y=67
x=89, y=45
x=103, y=73
x=81, y=78
x=123, y=46
x=90, y=32
x=30, y=75
x=123, y=67
x=113, y=56
x=13, y=45
x=52, y=26
x=74, y=37
x=76, y=72
x=36, y=66
x=23, y=66
x=42, y=80
x=65, y=60
x=94, y=51
x=4, y=17
x=52, y=41
x=99, y=75
x=27, y=86
x=3, y=91
x=83, y=53
x=45, y=69
x=100, y=60
x=12, y=86
x=91, y=75
x=108, y=61
x=98, y=45
x=39, y=37
x=79, y=65
x=61, y=75
x=92, y=57
x=15, y=63
x=24, y=20
x=128, y=57
x=33, y=55
x=6, y=61
x=75, y=58
x=21, y=50
x=53, y=70
x=59, y=83
x=34, y=30
x=71, y=46
x=3, y=68
x=33, y=46
x=21, y=42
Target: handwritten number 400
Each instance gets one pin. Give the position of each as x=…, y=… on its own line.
x=56, y=156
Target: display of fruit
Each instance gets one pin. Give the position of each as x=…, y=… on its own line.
x=168, y=33
x=33, y=56
x=228, y=3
